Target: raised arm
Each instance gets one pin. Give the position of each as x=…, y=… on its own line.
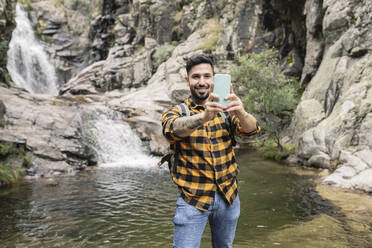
x=247, y=121
x=176, y=126
x=184, y=126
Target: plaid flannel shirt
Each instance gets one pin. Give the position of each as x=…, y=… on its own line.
x=205, y=160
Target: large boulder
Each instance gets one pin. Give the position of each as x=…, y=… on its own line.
x=49, y=128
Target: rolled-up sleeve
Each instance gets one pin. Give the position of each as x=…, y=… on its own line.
x=167, y=121
x=239, y=130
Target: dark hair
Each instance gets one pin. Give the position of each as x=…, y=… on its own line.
x=197, y=59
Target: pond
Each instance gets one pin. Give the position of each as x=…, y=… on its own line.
x=120, y=206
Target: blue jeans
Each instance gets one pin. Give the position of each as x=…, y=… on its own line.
x=189, y=223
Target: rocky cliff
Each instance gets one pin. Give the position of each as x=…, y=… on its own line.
x=333, y=122
x=7, y=24
x=129, y=56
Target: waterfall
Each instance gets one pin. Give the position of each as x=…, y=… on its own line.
x=28, y=63
x=115, y=143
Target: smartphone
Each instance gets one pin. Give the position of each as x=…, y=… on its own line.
x=222, y=84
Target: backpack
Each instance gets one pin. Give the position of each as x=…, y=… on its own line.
x=184, y=110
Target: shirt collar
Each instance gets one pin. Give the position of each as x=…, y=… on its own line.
x=192, y=105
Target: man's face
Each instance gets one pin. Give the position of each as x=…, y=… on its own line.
x=200, y=80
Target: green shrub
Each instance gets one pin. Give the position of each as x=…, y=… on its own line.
x=162, y=53
x=266, y=92
x=269, y=149
x=9, y=174
x=6, y=149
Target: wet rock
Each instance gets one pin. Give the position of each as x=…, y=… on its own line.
x=48, y=129
x=51, y=182
x=31, y=172
x=322, y=161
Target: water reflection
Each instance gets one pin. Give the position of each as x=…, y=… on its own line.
x=129, y=207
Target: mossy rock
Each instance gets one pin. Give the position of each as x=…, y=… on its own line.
x=10, y=174
x=14, y=154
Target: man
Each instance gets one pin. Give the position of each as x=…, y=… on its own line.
x=204, y=166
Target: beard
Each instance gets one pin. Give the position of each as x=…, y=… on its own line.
x=199, y=97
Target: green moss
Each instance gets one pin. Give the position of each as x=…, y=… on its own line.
x=3, y=53
x=210, y=32
x=45, y=38
x=162, y=53
x=178, y=16
x=2, y=123
x=27, y=161
x=334, y=164
x=41, y=25
x=112, y=43
x=26, y=3
x=60, y=103
x=353, y=20
x=209, y=45
x=290, y=59
x=9, y=174
x=8, y=79
x=175, y=33
x=144, y=7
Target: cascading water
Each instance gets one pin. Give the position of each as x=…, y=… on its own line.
x=114, y=142
x=28, y=63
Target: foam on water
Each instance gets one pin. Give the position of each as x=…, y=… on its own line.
x=116, y=144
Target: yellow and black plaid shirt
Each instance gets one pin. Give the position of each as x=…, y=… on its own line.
x=205, y=160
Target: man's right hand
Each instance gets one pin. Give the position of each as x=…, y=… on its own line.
x=184, y=126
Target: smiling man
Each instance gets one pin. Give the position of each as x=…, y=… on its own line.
x=203, y=165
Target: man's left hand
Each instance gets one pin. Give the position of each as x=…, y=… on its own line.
x=235, y=106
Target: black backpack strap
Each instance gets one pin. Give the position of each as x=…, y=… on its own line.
x=227, y=118
x=184, y=110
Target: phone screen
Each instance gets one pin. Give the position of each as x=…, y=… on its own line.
x=221, y=87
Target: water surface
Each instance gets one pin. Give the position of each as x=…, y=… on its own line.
x=128, y=207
